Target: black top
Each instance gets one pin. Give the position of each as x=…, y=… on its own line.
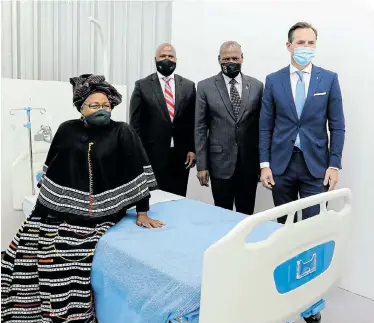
x=96, y=172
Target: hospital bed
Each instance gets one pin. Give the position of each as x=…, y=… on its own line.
x=210, y=265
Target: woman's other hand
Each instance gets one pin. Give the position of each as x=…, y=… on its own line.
x=143, y=220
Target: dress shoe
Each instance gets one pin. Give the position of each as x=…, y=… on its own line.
x=314, y=318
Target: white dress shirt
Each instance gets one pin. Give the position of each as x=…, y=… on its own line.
x=238, y=84
x=172, y=85
x=307, y=72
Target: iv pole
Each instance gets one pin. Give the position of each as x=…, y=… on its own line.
x=28, y=126
x=104, y=46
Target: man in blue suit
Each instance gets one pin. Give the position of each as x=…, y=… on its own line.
x=297, y=157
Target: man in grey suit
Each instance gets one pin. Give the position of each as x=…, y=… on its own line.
x=227, y=132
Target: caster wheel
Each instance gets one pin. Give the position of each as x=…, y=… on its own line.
x=314, y=318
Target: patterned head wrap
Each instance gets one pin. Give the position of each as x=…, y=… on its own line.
x=86, y=84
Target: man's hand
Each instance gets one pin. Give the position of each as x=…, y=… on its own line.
x=267, y=178
x=203, y=177
x=143, y=220
x=331, y=178
x=191, y=160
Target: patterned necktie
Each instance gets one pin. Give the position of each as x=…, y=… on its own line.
x=299, y=101
x=169, y=98
x=235, y=98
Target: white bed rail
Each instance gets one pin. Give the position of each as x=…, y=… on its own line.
x=239, y=283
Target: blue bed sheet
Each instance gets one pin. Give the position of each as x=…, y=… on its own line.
x=153, y=276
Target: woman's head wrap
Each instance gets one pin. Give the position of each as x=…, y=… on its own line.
x=86, y=84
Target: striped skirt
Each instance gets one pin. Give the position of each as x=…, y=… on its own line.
x=45, y=273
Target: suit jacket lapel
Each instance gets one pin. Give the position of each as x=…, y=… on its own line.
x=178, y=94
x=315, y=78
x=246, y=89
x=286, y=82
x=157, y=89
x=222, y=89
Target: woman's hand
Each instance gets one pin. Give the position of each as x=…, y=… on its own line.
x=143, y=220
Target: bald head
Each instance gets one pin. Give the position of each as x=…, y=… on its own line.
x=229, y=45
x=166, y=59
x=230, y=51
x=164, y=51
x=230, y=58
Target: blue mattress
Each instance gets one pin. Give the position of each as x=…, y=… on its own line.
x=153, y=276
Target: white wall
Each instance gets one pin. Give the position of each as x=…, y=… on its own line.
x=56, y=98
x=345, y=45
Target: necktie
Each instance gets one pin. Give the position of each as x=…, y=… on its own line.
x=235, y=98
x=299, y=101
x=169, y=98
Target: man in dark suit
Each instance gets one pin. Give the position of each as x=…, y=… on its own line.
x=162, y=112
x=297, y=156
x=226, y=132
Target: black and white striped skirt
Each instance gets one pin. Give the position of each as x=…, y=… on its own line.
x=45, y=273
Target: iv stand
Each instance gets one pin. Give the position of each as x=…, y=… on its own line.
x=104, y=46
x=28, y=126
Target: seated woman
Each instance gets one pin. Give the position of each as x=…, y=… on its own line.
x=95, y=170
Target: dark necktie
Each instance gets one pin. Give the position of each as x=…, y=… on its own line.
x=235, y=98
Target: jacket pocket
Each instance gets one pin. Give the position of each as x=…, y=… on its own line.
x=321, y=143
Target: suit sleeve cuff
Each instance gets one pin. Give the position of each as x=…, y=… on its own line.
x=264, y=165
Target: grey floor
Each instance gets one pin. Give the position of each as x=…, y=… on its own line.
x=345, y=307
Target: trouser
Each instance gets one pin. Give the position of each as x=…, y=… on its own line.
x=240, y=190
x=295, y=181
x=173, y=178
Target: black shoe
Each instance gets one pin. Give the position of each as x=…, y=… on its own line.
x=314, y=318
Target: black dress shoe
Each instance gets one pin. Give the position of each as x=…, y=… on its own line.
x=314, y=318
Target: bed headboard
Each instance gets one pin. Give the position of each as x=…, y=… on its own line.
x=277, y=279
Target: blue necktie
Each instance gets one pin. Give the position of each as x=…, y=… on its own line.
x=299, y=101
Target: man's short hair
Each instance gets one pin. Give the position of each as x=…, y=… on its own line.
x=300, y=25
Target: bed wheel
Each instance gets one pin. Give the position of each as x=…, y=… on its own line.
x=314, y=318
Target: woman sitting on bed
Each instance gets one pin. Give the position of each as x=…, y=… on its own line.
x=95, y=170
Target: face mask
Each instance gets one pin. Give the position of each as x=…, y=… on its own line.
x=99, y=118
x=231, y=69
x=303, y=55
x=166, y=67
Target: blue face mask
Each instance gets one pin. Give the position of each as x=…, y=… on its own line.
x=304, y=55
x=99, y=118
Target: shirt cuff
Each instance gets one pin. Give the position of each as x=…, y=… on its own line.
x=334, y=168
x=264, y=165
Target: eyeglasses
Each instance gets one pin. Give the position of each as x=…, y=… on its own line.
x=95, y=106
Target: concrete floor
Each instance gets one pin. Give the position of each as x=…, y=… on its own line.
x=345, y=307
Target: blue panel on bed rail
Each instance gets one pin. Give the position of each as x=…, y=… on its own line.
x=306, y=266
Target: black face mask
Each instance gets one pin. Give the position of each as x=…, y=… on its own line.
x=231, y=69
x=166, y=67
x=99, y=118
